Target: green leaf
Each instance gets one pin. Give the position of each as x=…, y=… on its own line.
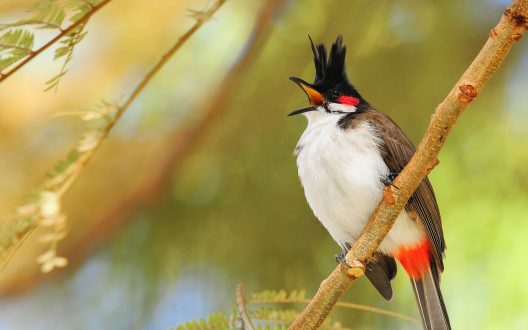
x=61, y=51
x=7, y=61
x=62, y=165
x=18, y=38
x=49, y=12
x=70, y=41
x=15, y=44
x=53, y=82
x=216, y=321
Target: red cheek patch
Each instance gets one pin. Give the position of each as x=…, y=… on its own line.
x=348, y=100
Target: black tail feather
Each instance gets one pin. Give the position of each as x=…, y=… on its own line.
x=380, y=271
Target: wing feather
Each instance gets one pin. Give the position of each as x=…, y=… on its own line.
x=397, y=150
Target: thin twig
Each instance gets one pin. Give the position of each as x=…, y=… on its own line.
x=24, y=229
x=180, y=146
x=33, y=54
x=89, y=3
x=360, y=307
x=139, y=88
x=510, y=28
x=241, y=304
x=71, y=46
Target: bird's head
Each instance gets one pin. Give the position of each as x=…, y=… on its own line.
x=331, y=92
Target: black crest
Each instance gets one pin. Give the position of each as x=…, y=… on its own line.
x=330, y=68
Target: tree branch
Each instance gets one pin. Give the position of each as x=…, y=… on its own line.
x=510, y=28
x=19, y=227
x=65, y=32
x=142, y=84
x=241, y=305
x=181, y=145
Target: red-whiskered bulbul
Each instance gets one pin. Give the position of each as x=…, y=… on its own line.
x=346, y=156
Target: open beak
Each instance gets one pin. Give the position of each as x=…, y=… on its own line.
x=315, y=98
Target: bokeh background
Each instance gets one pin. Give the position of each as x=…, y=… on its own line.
x=150, y=250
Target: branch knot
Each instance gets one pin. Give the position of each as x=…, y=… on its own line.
x=388, y=197
x=356, y=270
x=519, y=20
x=200, y=16
x=467, y=93
x=493, y=33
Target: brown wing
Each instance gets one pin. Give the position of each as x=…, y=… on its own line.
x=397, y=151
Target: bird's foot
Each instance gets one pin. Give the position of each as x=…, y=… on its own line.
x=355, y=268
x=341, y=259
x=388, y=180
x=341, y=256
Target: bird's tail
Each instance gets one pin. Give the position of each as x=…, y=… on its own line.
x=430, y=301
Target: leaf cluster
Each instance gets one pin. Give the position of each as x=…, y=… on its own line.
x=214, y=321
x=45, y=204
x=17, y=38
x=97, y=121
x=15, y=44
x=262, y=317
x=280, y=296
x=66, y=51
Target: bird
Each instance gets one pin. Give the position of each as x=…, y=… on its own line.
x=346, y=156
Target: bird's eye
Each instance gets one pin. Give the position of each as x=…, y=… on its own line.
x=335, y=93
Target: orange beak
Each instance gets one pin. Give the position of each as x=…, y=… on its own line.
x=314, y=96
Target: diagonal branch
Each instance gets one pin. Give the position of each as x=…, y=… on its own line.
x=181, y=145
x=20, y=227
x=510, y=28
x=143, y=83
x=65, y=32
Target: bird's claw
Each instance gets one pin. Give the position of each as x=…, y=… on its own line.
x=388, y=180
x=341, y=256
x=357, y=269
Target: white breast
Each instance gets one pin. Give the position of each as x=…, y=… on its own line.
x=341, y=173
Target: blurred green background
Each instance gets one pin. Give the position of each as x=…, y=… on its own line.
x=233, y=209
